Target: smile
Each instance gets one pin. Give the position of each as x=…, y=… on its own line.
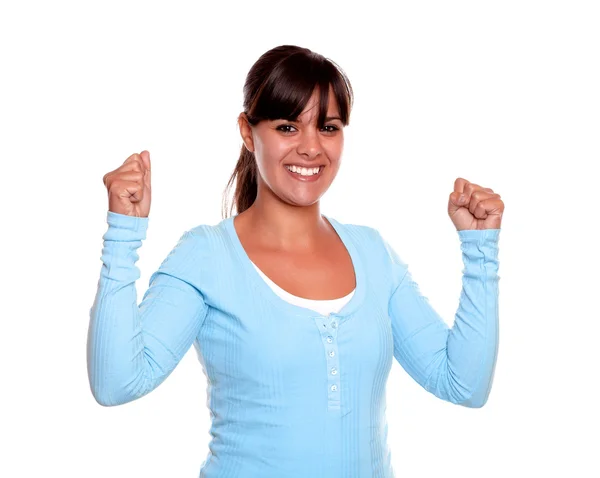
x=308, y=175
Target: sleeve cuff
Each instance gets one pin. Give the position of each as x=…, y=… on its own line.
x=122, y=227
x=479, y=235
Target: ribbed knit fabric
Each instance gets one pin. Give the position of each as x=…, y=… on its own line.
x=292, y=393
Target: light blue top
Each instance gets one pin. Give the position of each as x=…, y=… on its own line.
x=291, y=393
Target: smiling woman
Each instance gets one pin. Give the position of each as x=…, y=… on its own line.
x=296, y=317
x=296, y=104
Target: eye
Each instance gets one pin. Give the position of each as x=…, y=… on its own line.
x=333, y=130
x=282, y=126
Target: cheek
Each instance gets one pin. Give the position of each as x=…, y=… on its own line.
x=274, y=149
x=334, y=149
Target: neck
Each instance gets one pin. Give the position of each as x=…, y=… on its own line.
x=283, y=226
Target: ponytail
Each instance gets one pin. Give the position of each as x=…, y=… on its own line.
x=246, y=185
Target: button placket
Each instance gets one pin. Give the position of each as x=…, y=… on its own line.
x=329, y=327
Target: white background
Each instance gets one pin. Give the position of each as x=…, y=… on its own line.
x=504, y=94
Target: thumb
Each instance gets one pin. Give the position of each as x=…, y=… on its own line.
x=145, y=155
x=455, y=203
x=146, y=158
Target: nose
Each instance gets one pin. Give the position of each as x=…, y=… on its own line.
x=310, y=144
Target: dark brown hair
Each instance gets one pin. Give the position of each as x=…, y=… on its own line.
x=278, y=86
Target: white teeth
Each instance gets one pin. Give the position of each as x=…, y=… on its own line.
x=303, y=171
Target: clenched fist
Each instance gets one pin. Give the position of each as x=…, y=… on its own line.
x=471, y=206
x=129, y=186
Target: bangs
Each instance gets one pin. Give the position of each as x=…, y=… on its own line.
x=287, y=90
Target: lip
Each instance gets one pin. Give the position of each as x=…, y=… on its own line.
x=306, y=179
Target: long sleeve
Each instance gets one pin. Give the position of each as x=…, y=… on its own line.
x=455, y=364
x=132, y=349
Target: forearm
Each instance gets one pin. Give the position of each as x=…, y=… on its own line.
x=117, y=367
x=455, y=364
x=473, y=339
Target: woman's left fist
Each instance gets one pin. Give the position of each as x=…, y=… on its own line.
x=481, y=207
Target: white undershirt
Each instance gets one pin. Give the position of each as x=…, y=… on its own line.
x=323, y=307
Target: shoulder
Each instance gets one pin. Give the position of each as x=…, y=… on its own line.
x=366, y=237
x=206, y=232
x=200, y=243
x=359, y=231
x=372, y=242
x=381, y=261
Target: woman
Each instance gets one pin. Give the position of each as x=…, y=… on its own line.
x=295, y=317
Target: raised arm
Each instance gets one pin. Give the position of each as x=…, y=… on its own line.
x=132, y=349
x=455, y=364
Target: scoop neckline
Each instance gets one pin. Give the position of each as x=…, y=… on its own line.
x=266, y=292
x=347, y=297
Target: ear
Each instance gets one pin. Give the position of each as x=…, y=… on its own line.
x=246, y=131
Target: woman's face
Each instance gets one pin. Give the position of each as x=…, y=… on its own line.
x=280, y=143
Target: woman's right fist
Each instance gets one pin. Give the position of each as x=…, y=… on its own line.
x=129, y=186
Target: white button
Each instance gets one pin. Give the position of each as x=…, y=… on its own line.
x=333, y=324
x=332, y=353
x=330, y=339
x=333, y=371
x=333, y=388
